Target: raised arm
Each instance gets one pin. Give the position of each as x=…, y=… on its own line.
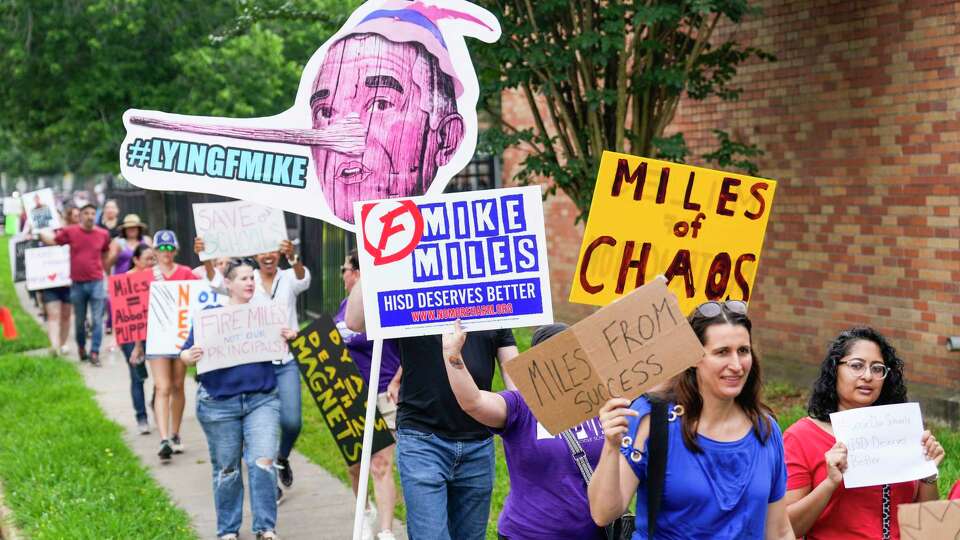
x=504, y=355
x=353, y=315
x=198, y=248
x=488, y=408
x=614, y=483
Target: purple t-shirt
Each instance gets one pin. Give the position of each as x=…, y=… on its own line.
x=361, y=350
x=548, y=497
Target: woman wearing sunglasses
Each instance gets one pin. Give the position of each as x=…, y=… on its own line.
x=861, y=369
x=725, y=477
x=168, y=372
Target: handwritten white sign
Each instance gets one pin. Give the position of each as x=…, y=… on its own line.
x=238, y=229
x=172, y=307
x=47, y=267
x=883, y=444
x=240, y=334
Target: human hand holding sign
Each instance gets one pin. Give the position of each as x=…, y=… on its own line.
x=191, y=356
x=615, y=419
x=836, y=461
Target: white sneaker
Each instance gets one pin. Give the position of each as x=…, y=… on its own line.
x=369, y=518
x=386, y=535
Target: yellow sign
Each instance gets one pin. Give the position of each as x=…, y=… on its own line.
x=702, y=229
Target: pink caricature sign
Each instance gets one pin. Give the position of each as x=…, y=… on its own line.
x=386, y=108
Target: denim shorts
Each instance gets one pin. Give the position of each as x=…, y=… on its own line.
x=56, y=294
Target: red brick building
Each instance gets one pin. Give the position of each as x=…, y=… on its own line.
x=860, y=122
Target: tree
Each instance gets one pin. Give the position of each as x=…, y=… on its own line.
x=608, y=75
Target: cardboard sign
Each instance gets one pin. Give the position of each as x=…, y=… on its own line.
x=480, y=257
x=934, y=520
x=47, y=267
x=41, y=210
x=18, y=246
x=621, y=350
x=172, y=307
x=883, y=444
x=240, y=334
x=702, y=229
x=238, y=229
x=385, y=108
x=129, y=300
x=337, y=388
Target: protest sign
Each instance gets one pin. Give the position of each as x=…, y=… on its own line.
x=480, y=257
x=385, y=108
x=883, y=444
x=47, y=267
x=621, y=350
x=41, y=210
x=240, y=334
x=934, y=520
x=702, y=229
x=18, y=246
x=337, y=387
x=129, y=300
x=238, y=229
x=172, y=307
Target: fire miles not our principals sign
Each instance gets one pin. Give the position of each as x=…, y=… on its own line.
x=480, y=257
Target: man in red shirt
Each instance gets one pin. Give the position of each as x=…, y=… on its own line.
x=89, y=255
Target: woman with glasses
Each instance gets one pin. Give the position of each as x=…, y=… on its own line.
x=168, y=372
x=239, y=410
x=725, y=477
x=861, y=369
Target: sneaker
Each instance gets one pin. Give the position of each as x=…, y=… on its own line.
x=143, y=427
x=267, y=535
x=386, y=535
x=176, y=444
x=279, y=496
x=95, y=359
x=165, y=450
x=64, y=350
x=82, y=353
x=230, y=536
x=286, y=473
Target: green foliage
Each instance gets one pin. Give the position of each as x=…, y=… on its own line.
x=65, y=469
x=606, y=76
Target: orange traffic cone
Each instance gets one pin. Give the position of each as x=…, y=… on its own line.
x=6, y=320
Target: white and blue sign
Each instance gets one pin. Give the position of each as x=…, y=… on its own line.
x=480, y=257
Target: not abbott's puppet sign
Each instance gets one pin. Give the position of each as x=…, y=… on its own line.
x=386, y=108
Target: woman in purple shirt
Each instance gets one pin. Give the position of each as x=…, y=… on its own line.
x=548, y=495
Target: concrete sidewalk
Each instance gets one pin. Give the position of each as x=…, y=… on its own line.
x=318, y=506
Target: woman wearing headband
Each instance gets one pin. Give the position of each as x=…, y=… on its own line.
x=725, y=476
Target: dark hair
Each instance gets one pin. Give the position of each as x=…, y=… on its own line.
x=138, y=251
x=88, y=205
x=354, y=259
x=823, y=395
x=684, y=390
x=546, y=332
x=232, y=266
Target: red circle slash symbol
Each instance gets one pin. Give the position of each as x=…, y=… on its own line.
x=392, y=226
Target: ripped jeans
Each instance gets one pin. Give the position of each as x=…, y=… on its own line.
x=243, y=425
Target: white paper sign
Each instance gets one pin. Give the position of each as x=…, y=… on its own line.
x=479, y=256
x=883, y=444
x=238, y=229
x=41, y=210
x=11, y=206
x=240, y=334
x=47, y=267
x=172, y=306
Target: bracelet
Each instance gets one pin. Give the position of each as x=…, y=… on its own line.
x=931, y=480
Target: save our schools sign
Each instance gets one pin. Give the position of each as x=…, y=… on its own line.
x=480, y=257
x=700, y=228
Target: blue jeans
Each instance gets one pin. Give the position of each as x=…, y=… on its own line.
x=288, y=387
x=446, y=485
x=136, y=384
x=82, y=294
x=243, y=425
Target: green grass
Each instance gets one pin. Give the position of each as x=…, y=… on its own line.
x=65, y=468
x=31, y=335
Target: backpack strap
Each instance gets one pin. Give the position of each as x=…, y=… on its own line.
x=656, y=461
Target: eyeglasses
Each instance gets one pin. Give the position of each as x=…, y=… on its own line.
x=712, y=309
x=858, y=367
x=166, y=247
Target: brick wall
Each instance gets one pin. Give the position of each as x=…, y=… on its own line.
x=860, y=122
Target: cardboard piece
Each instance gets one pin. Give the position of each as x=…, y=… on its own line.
x=129, y=299
x=41, y=210
x=240, y=334
x=47, y=267
x=337, y=387
x=702, y=229
x=621, y=350
x=172, y=308
x=480, y=257
x=934, y=520
x=238, y=229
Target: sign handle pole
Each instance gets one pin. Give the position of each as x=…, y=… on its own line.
x=368, y=426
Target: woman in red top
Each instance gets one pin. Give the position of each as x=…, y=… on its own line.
x=861, y=369
x=168, y=372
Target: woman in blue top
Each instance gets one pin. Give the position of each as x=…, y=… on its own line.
x=725, y=473
x=239, y=411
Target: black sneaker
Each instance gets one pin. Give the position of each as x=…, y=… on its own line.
x=176, y=444
x=165, y=450
x=286, y=473
x=95, y=359
x=83, y=354
x=279, y=496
